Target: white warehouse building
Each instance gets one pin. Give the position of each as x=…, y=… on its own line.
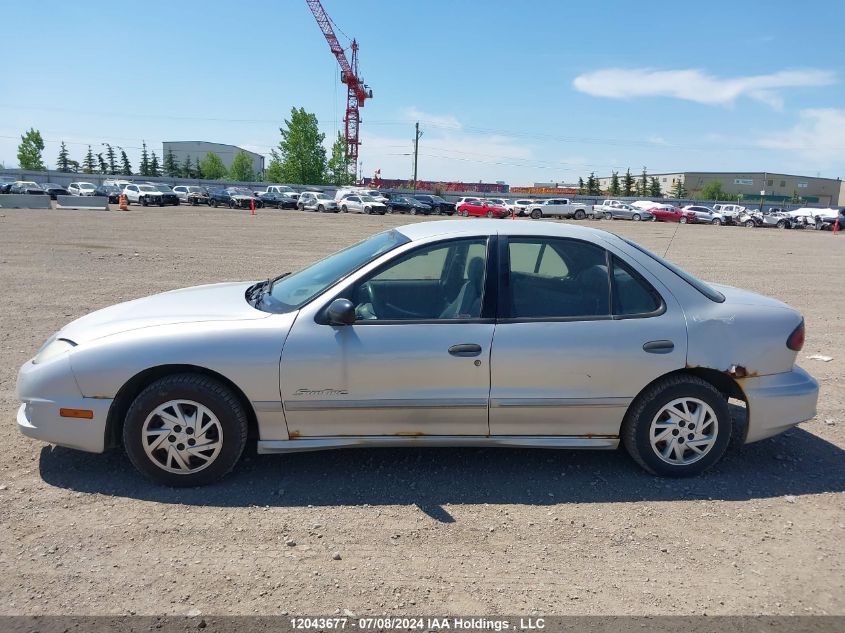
x=198, y=150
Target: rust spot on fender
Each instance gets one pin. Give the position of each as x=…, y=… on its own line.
x=410, y=434
x=294, y=434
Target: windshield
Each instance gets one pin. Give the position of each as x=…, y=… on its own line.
x=703, y=288
x=324, y=196
x=240, y=191
x=163, y=188
x=367, y=199
x=292, y=292
x=51, y=185
x=194, y=190
x=140, y=188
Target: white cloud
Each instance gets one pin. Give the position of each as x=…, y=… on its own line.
x=818, y=136
x=446, y=121
x=696, y=85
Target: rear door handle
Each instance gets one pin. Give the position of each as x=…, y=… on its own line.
x=658, y=347
x=465, y=349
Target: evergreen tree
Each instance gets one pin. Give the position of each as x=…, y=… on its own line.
x=678, y=189
x=337, y=169
x=112, y=159
x=643, y=184
x=628, y=184
x=241, y=169
x=155, y=170
x=104, y=167
x=796, y=199
x=614, y=184
x=145, y=160
x=62, y=164
x=581, y=189
x=29, y=151
x=73, y=166
x=301, y=149
x=171, y=167
x=187, y=170
x=88, y=163
x=212, y=167
x=198, y=168
x=125, y=165
x=654, y=188
x=593, y=187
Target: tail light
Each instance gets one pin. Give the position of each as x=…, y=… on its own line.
x=796, y=340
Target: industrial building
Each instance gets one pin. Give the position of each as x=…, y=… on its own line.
x=198, y=150
x=770, y=186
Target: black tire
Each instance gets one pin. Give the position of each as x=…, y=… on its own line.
x=143, y=201
x=204, y=390
x=489, y=214
x=161, y=203
x=321, y=208
x=344, y=209
x=636, y=426
x=193, y=202
x=580, y=214
x=682, y=220
x=300, y=207
x=716, y=222
x=781, y=224
x=213, y=203
x=750, y=224
x=608, y=215
x=536, y=214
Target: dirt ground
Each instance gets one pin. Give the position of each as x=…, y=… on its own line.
x=436, y=531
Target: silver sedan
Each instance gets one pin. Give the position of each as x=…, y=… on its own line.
x=450, y=333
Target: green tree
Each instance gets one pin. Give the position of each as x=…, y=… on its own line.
x=171, y=167
x=103, y=165
x=241, y=169
x=654, y=188
x=144, y=167
x=614, y=184
x=337, y=169
x=678, y=189
x=581, y=189
x=125, y=165
x=301, y=150
x=187, y=169
x=212, y=167
x=642, y=186
x=796, y=199
x=88, y=163
x=73, y=166
x=29, y=151
x=713, y=191
x=628, y=184
x=198, y=168
x=155, y=169
x=62, y=163
x=112, y=158
x=273, y=173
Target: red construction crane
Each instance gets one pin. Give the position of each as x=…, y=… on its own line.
x=357, y=92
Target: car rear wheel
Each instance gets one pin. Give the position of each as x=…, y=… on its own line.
x=682, y=220
x=608, y=215
x=678, y=427
x=465, y=213
x=143, y=201
x=781, y=224
x=580, y=214
x=750, y=224
x=489, y=214
x=716, y=222
x=412, y=211
x=344, y=209
x=536, y=214
x=185, y=430
x=636, y=217
x=213, y=203
x=321, y=209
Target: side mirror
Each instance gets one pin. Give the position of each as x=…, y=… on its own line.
x=340, y=312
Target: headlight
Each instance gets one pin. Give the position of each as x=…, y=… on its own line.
x=52, y=348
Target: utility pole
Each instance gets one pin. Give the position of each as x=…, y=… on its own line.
x=417, y=135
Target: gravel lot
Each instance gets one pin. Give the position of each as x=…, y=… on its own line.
x=451, y=531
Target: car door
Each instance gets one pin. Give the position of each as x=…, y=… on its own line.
x=414, y=362
x=581, y=332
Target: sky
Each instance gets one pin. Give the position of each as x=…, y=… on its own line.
x=521, y=92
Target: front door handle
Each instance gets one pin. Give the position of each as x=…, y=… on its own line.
x=659, y=347
x=465, y=349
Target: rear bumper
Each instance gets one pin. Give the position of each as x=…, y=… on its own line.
x=778, y=402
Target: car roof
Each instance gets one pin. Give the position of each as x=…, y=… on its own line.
x=457, y=228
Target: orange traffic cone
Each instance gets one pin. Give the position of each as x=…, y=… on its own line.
x=121, y=199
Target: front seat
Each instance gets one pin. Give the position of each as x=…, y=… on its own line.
x=467, y=305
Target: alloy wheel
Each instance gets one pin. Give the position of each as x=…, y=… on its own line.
x=683, y=431
x=182, y=436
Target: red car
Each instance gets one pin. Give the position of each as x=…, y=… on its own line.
x=482, y=209
x=672, y=214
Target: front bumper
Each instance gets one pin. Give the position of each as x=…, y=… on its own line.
x=46, y=388
x=778, y=402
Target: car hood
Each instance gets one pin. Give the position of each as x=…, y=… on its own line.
x=214, y=302
x=240, y=196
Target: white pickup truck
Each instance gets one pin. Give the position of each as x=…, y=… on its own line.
x=556, y=207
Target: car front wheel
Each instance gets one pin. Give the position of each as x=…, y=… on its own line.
x=716, y=222
x=185, y=430
x=536, y=214
x=636, y=217
x=682, y=220
x=678, y=427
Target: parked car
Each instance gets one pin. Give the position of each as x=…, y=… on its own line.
x=669, y=213
x=6, y=183
x=438, y=205
x=27, y=187
x=317, y=201
x=730, y=212
x=466, y=199
x=314, y=359
x=704, y=215
x=287, y=192
x=557, y=207
x=145, y=195
x=624, y=211
x=483, y=209
x=406, y=204
x=520, y=205
x=234, y=198
x=81, y=188
x=277, y=200
x=168, y=196
x=377, y=195
x=52, y=189
x=362, y=204
x=197, y=196
x=112, y=192
x=117, y=182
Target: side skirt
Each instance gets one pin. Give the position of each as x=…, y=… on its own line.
x=435, y=441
